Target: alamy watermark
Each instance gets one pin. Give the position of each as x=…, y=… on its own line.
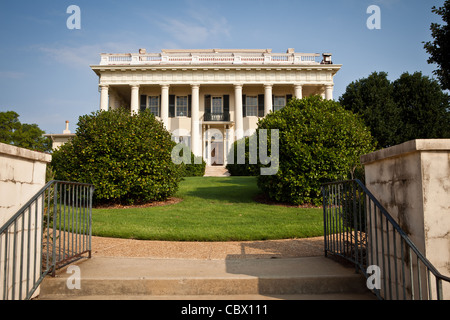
x=74, y=20
x=374, y=21
x=374, y=280
x=258, y=148
x=74, y=281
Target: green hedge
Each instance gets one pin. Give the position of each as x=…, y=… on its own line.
x=246, y=169
x=126, y=157
x=194, y=169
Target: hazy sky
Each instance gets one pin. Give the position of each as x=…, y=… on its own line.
x=44, y=66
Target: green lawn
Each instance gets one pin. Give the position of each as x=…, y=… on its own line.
x=213, y=209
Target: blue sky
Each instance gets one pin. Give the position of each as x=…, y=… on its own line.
x=44, y=67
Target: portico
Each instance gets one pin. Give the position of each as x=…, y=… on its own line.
x=198, y=94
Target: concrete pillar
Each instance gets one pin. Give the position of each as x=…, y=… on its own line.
x=165, y=105
x=104, y=97
x=195, y=122
x=267, y=99
x=298, y=91
x=239, y=118
x=134, y=99
x=329, y=92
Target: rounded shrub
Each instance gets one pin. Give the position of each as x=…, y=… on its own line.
x=319, y=141
x=126, y=157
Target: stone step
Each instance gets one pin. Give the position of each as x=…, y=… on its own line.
x=104, y=278
x=216, y=171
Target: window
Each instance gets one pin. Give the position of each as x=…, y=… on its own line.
x=182, y=106
x=252, y=106
x=217, y=107
x=278, y=102
x=182, y=139
x=153, y=105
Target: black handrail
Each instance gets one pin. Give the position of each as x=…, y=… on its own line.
x=50, y=231
x=355, y=230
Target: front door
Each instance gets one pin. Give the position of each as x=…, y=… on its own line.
x=217, y=153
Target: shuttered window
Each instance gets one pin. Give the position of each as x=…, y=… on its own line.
x=279, y=102
x=181, y=106
x=153, y=105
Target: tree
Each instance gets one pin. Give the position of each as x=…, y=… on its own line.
x=412, y=107
x=319, y=141
x=372, y=98
x=126, y=157
x=424, y=107
x=24, y=135
x=9, y=122
x=439, y=48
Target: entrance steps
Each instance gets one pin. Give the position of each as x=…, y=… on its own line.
x=216, y=171
x=104, y=278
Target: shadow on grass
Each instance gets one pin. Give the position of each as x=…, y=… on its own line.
x=227, y=194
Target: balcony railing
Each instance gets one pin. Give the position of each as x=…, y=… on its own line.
x=210, y=58
x=217, y=117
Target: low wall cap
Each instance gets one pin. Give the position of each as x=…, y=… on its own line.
x=407, y=147
x=24, y=153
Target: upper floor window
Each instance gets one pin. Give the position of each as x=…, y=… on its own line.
x=217, y=106
x=252, y=106
x=181, y=108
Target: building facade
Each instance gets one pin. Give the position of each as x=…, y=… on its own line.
x=210, y=98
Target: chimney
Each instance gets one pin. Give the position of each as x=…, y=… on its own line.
x=67, y=131
x=326, y=58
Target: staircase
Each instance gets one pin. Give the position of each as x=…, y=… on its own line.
x=104, y=278
x=216, y=171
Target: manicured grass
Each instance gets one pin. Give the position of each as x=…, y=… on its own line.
x=213, y=209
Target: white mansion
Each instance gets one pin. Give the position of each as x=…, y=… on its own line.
x=210, y=98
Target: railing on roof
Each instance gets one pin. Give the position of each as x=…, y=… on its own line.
x=358, y=229
x=50, y=231
x=210, y=58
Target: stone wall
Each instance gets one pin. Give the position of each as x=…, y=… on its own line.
x=22, y=175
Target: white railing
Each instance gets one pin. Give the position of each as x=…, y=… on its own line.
x=210, y=58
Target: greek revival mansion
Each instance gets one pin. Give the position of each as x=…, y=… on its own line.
x=210, y=98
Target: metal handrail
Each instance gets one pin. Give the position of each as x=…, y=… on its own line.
x=355, y=230
x=51, y=230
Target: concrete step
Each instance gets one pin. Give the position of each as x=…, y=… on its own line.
x=216, y=171
x=262, y=279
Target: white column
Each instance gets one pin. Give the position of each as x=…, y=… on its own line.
x=195, y=122
x=267, y=99
x=238, y=115
x=134, y=99
x=104, y=97
x=298, y=91
x=329, y=92
x=165, y=105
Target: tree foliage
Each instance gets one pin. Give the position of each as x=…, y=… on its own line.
x=372, y=98
x=411, y=107
x=439, y=48
x=319, y=141
x=126, y=157
x=23, y=135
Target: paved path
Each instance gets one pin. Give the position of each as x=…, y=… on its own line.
x=291, y=248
